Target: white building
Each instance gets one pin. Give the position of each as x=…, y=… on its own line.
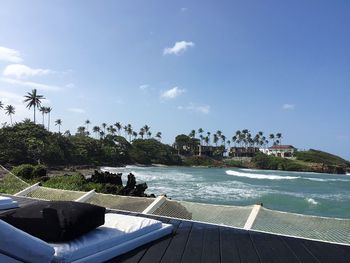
x=284, y=151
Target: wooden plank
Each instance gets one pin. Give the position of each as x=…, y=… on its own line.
x=302, y=253
x=156, y=252
x=245, y=246
x=211, y=245
x=177, y=245
x=326, y=252
x=228, y=247
x=194, y=245
x=272, y=248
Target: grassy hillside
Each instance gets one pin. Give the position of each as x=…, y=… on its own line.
x=316, y=156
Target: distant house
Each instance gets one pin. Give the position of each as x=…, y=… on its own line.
x=284, y=151
x=243, y=151
x=209, y=151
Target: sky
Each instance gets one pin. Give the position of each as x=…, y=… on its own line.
x=274, y=66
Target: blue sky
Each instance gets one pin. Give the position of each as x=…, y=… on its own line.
x=275, y=66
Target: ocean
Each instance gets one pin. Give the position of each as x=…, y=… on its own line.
x=298, y=192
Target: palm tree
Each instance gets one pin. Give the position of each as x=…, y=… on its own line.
x=67, y=133
x=215, y=139
x=223, y=138
x=43, y=111
x=10, y=110
x=234, y=139
x=48, y=111
x=118, y=126
x=279, y=137
x=33, y=100
x=159, y=135
x=134, y=134
x=200, y=131
x=149, y=134
x=59, y=123
x=207, y=140
x=147, y=128
x=87, y=122
x=102, y=134
x=96, y=129
x=272, y=137
x=129, y=131
x=1, y=105
x=142, y=132
x=192, y=134
x=104, y=125
x=81, y=131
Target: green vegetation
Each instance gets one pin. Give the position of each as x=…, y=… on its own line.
x=11, y=184
x=27, y=142
x=201, y=161
x=263, y=161
x=316, y=156
x=27, y=171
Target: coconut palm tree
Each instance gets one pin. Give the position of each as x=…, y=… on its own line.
x=10, y=110
x=129, y=131
x=87, y=122
x=134, y=134
x=279, y=137
x=192, y=134
x=81, y=131
x=215, y=139
x=207, y=140
x=48, y=111
x=58, y=123
x=149, y=134
x=33, y=100
x=272, y=137
x=104, y=125
x=234, y=139
x=102, y=134
x=67, y=133
x=96, y=130
x=142, y=132
x=118, y=126
x=223, y=139
x=1, y=105
x=200, y=131
x=159, y=135
x=42, y=109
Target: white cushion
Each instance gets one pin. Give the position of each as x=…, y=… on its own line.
x=117, y=230
x=19, y=245
x=7, y=203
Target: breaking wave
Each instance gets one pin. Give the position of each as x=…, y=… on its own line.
x=261, y=176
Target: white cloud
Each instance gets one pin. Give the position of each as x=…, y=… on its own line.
x=20, y=71
x=172, y=93
x=10, y=55
x=76, y=110
x=144, y=87
x=30, y=84
x=288, y=106
x=205, y=109
x=178, y=48
x=184, y=9
x=70, y=85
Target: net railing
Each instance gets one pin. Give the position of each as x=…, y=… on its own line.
x=128, y=203
x=9, y=183
x=235, y=216
x=266, y=220
x=312, y=227
x=53, y=194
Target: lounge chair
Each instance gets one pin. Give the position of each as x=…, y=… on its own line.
x=7, y=203
x=119, y=234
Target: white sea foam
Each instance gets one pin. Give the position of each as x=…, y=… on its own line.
x=311, y=201
x=261, y=176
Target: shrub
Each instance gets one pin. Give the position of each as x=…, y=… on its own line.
x=24, y=170
x=39, y=171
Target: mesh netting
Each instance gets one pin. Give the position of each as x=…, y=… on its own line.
x=134, y=204
x=55, y=194
x=320, y=228
x=217, y=214
x=9, y=183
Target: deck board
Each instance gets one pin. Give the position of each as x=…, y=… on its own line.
x=272, y=248
x=199, y=242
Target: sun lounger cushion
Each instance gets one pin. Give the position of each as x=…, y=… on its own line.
x=119, y=234
x=7, y=203
x=16, y=245
x=56, y=220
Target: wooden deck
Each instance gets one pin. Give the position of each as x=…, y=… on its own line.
x=196, y=242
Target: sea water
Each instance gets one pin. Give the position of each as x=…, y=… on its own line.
x=298, y=192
